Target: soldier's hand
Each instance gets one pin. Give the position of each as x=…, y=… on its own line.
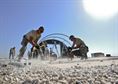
x=37, y=46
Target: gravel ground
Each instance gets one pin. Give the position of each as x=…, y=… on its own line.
x=60, y=72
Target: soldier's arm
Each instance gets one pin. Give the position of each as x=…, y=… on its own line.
x=37, y=39
x=31, y=41
x=73, y=44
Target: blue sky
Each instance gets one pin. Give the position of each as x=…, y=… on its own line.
x=17, y=17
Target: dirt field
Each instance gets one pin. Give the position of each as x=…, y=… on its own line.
x=62, y=71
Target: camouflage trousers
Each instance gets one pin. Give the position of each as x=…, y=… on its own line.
x=11, y=54
x=23, y=48
x=82, y=51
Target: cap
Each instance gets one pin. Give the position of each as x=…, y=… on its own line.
x=71, y=36
x=41, y=28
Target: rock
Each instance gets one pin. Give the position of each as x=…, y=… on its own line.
x=27, y=82
x=97, y=82
x=63, y=81
x=4, y=73
x=77, y=63
x=25, y=63
x=36, y=81
x=4, y=65
x=116, y=82
x=101, y=60
x=78, y=82
x=29, y=63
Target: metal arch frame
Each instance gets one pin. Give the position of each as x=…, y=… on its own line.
x=58, y=38
x=52, y=36
x=55, y=34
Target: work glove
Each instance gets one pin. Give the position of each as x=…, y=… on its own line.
x=37, y=46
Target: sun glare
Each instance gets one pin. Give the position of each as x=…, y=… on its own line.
x=101, y=9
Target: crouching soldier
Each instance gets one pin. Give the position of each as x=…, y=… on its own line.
x=80, y=45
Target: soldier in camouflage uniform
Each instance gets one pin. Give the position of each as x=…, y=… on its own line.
x=80, y=45
x=12, y=53
x=31, y=37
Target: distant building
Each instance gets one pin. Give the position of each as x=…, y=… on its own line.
x=108, y=55
x=97, y=54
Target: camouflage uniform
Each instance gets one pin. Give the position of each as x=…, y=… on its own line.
x=25, y=41
x=83, y=49
x=12, y=53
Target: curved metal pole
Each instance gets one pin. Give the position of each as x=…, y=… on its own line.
x=60, y=41
x=55, y=34
x=58, y=38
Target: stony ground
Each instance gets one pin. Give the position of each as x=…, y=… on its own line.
x=60, y=72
